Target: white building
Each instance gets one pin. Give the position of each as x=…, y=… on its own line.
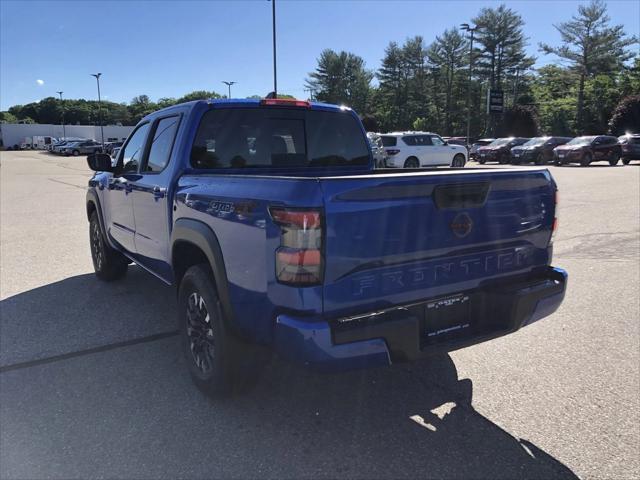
x=14, y=133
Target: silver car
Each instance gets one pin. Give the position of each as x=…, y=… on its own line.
x=82, y=148
x=379, y=154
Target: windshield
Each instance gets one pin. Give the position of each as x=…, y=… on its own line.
x=277, y=137
x=581, y=141
x=500, y=141
x=534, y=142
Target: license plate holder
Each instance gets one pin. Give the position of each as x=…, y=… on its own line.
x=447, y=318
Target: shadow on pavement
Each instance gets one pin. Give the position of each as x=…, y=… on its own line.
x=132, y=412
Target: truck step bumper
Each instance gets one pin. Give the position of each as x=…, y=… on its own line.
x=398, y=334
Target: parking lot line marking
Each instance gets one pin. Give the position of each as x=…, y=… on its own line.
x=88, y=351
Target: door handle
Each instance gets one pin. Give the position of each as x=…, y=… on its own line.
x=159, y=192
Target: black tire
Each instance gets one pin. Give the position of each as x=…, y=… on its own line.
x=540, y=159
x=482, y=161
x=458, y=160
x=614, y=159
x=586, y=160
x=220, y=363
x=75, y=153
x=411, y=162
x=503, y=159
x=108, y=264
x=626, y=160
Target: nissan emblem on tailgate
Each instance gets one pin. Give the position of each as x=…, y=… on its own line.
x=461, y=225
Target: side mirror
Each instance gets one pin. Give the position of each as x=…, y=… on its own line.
x=100, y=162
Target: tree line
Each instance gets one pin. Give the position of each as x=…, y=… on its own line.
x=592, y=86
x=424, y=86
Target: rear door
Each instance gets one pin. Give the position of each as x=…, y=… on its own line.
x=121, y=224
x=150, y=196
x=397, y=239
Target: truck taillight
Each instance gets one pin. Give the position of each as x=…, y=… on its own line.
x=299, y=257
x=554, y=226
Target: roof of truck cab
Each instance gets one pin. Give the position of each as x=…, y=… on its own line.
x=241, y=102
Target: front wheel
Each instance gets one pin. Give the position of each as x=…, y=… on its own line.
x=482, y=161
x=412, y=162
x=219, y=362
x=458, y=161
x=540, y=159
x=626, y=160
x=75, y=153
x=108, y=263
x=586, y=160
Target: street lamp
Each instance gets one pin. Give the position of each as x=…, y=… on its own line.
x=228, y=84
x=275, y=70
x=468, y=28
x=97, y=75
x=64, y=131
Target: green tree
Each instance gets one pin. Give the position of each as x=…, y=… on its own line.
x=198, y=95
x=591, y=46
x=447, y=54
x=6, y=117
x=502, y=45
x=518, y=121
x=392, y=92
x=341, y=78
x=626, y=116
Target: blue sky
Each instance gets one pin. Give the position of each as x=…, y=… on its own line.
x=166, y=48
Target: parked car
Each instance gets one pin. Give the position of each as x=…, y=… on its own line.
x=298, y=245
x=499, y=150
x=456, y=140
x=630, y=146
x=58, y=146
x=421, y=149
x=377, y=148
x=81, y=148
x=108, y=147
x=473, y=150
x=584, y=150
x=538, y=150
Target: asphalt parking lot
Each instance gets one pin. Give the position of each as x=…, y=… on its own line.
x=92, y=383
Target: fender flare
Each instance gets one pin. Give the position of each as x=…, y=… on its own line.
x=92, y=197
x=202, y=236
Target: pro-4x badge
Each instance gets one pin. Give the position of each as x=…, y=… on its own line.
x=461, y=225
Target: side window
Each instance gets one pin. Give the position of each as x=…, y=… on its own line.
x=411, y=141
x=162, y=144
x=133, y=151
x=437, y=141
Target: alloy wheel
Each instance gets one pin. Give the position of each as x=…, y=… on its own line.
x=200, y=333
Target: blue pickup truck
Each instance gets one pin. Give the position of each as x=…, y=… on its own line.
x=279, y=234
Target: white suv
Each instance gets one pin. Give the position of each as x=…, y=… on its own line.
x=421, y=149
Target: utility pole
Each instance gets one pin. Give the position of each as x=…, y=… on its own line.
x=97, y=75
x=471, y=30
x=64, y=131
x=275, y=69
x=228, y=84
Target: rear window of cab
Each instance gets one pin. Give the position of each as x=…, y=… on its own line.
x=277, y=137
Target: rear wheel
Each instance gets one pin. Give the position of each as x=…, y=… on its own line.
x=614, y=158
x=586, y=160
x=75, y=153
x=458, y=161
x=411, y=162
x=220, y=363
x=108, y=263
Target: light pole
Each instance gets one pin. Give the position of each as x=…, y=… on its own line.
x=64, y=131
x=228, y=84
x=275, y=70
x=97, y=75
x=471, y=30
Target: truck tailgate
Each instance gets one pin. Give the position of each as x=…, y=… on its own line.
x=394, y=239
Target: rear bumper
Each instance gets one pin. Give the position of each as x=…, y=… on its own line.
x=396, y=334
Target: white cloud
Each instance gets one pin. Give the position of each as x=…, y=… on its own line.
x=40, y=82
